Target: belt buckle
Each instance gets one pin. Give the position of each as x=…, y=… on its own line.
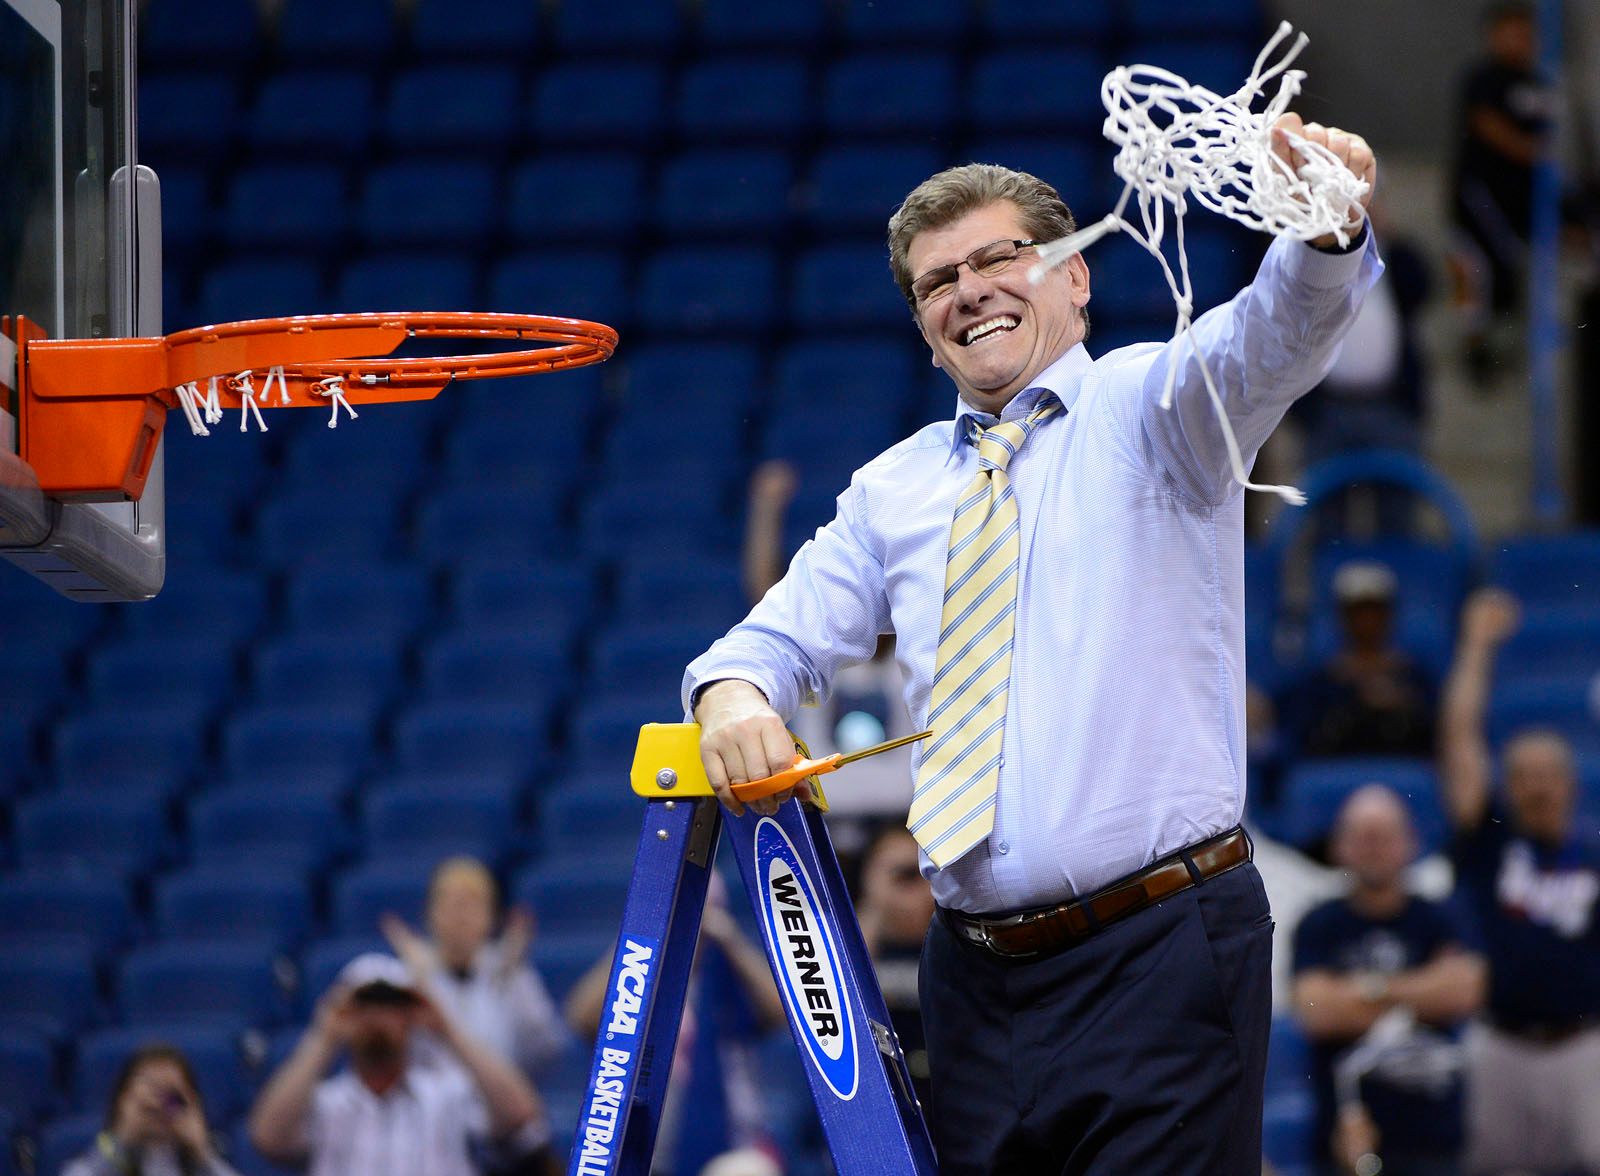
x=1018, y=920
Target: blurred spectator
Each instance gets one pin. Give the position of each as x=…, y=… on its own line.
x=713, y=1101
x=894, y=908
x=866, y=702
x=384, y=1115
x=746, y=1161
x=1370, y=698
x=1375, y=394
x=155, y=1123
x=1531, y=882
x=485, y=985
x=1382, y=982
x=1506, y=113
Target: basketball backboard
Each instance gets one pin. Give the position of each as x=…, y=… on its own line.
x=80, y=256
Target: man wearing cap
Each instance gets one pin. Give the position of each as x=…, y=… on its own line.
x=1370, y=697
x=384, y=1116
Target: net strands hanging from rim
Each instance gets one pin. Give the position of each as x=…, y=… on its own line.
x=91, y=410
x=1175, y=140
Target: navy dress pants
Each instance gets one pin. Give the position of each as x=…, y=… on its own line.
x=1140, y=1051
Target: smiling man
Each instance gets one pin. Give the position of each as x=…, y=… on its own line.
x=1062, y=564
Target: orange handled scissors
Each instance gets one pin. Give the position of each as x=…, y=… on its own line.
x=803, y=767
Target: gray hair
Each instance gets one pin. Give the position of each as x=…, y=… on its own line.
x=945, y=198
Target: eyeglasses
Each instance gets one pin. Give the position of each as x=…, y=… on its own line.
x=988, y=260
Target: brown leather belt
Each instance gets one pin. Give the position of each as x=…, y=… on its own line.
x=1050, y=929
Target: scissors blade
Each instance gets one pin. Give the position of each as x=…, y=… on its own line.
x=878, y=748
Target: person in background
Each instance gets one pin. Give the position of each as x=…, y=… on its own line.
x=1370, y=698
x=1531, y=880
x=895, y=907
x=1506, y=114
x=155, y=1123
x=713, y=1100
x=1383, y=982
x=485, y=984
x=387, y=1115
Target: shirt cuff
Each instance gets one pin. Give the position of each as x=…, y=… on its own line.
x=699, y=676
x=1324, y=269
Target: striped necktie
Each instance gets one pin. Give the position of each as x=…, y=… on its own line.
x=952, y=807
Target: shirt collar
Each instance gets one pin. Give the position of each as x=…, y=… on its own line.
x=1061, y=379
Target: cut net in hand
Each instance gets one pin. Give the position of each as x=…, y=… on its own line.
x=1175, y=140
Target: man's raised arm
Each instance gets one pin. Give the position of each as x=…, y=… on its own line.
x=1465, y=766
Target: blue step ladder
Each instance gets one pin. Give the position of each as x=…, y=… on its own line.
x=851, y=1057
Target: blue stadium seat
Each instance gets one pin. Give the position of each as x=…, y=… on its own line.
x=352, y=33
x=128, y=745
x=709, y=288
x=17, y=759
x=609, y=102
x=216, y=900
x=1164, y=18
x=544, y=596
x=563, y=957
x=650, y=655
x=50, y=989
x=26, y=1072
x=220, y=604
x=187, y=116
x=531, y=666
x=375, y=462
x=1550, y=570
x=310, y=523
x=934, y=22
x=453, y=107
x=408, y=281
x=649, y=25
x=1551, y=641
x=195, y=670
x=1065, y=164
x=93, y=905
x=571, y=900
x=323, y=959
x=475, y=29
x=1555, y=701
x=588, y=284
x=471, y=736
x=201, y=982
x=320, y=111
x=829, y=374
x=724, y=192
x=122, y=831
x=719, y=378
x=875, y=93
x=1027, y=20
x=763, y=98
x=604, y=728
x=1314, y=790
x=35, y=681
x=361, y=671
x=213, y=1052
x=584, y=815
x=377, y=598
x=846, y=286
x=737, y=24
x=261, y=287
x=364, y=893
x=854, y=186
x=796, y=434
x=198, y=32
x=185, y=211
x=1219, y=64
x=1054, y=88
x=272, y=825
x=562, y=196
x=428, y=203
x=488, y=519
x=292, y=204
x=66, y=1137
x=285, y=740
x=687, y=586
x=616, y=514
x=405, y=819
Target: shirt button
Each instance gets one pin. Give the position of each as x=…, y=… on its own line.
x=1004, y=847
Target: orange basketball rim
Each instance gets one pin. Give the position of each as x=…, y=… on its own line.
x=90, y=411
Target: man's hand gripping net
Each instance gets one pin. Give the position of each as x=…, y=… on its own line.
x=1175, y=139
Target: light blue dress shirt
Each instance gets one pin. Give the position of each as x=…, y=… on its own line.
x=1124, y=735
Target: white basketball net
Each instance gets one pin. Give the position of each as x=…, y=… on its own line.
x=1174, y=140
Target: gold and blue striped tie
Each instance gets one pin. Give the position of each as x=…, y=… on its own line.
x=952, y=807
